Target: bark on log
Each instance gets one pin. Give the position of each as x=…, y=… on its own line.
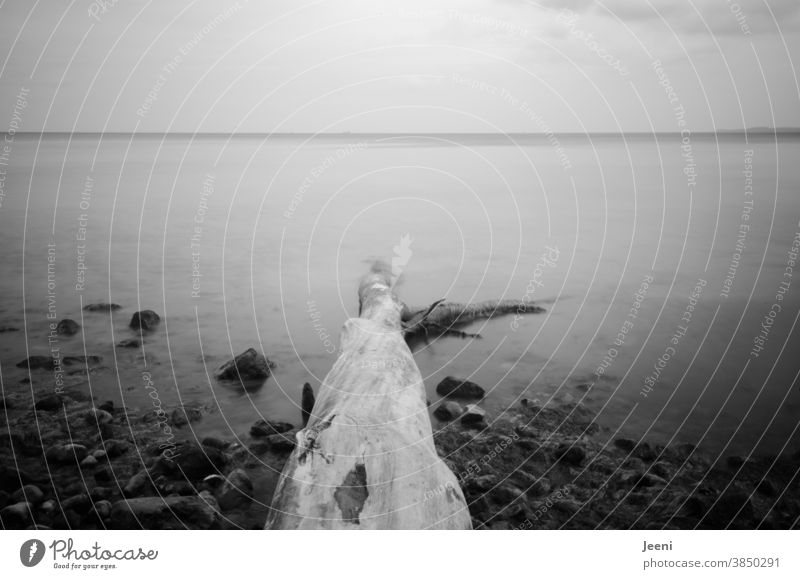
x=366, y=459
x=445, y=318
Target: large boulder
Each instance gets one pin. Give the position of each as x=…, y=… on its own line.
x=145, y=320
x=162, y=513
x=249, y=365
x=455, y=388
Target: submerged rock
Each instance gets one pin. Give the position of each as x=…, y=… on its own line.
x=67, y=327
x=454, y=388
x=130, y=343
x=102, y=307
x=268, y=427
x=448, y=410
x=37, y=363
x=183, y=416
x=145, y=320
x=249, y=365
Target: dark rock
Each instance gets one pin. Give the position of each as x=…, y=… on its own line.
x=661, y=469
x=210, y=500
x=16, y=516
x=5, y=404
x=49, y=403
x=103, y=509
x=12, y=479
x=145, y=320
x=137, y=484
x=196, y=462
x=183, y=416
x=102, y=307
x=685, y=450
x=4, y=329
x=67, y=327
x=473, y=415
x=258, y=447
x=168, y=513
x=249, y=365
x=82, y=360
x=481, y=484
x=89, y=462
x=645, y=452
x=237, y=490
x=180, y=488
x=625, y=444
x=268, y=428
x=448, y=410
x=725, y=510
x=214, y=443
x=695, y=506
x=454, y=388
x=108, y=406
x=505, y=494
x=735, y=461
x=28, y=493
x=37, y=363
x=282, y=443
x=95, y=416
x=570, y=454
x=130, y=343
x=115, y=447
x=4, y=499
x=766, y=488
x=66, y=453
x=79, y=503
x=99, y=493
x=104, y=475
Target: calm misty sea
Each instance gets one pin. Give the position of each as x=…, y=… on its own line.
x=280, y=230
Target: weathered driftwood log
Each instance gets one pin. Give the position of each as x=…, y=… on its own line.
x=445, y=318
x=366, y=459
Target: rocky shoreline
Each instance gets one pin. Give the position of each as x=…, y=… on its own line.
x=68, y=461
x=84, y=466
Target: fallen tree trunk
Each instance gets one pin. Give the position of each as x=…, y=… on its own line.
x=445, y=318
x=366, y=459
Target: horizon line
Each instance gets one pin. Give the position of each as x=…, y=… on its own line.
x=761, y=130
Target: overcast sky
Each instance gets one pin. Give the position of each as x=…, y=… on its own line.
x=415, y=65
